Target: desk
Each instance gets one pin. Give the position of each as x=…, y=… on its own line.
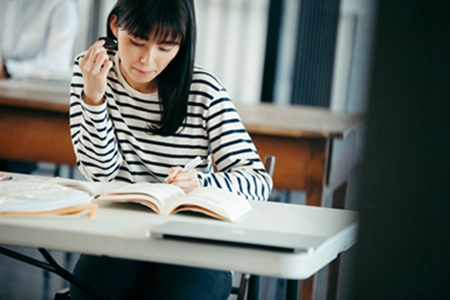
x=314, y=148
x=34, y=123
x=110, y=232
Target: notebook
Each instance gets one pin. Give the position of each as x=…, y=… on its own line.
x=224, y=234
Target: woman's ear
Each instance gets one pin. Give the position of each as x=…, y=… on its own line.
x=113, y=24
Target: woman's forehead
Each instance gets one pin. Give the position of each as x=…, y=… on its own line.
x=156, y=34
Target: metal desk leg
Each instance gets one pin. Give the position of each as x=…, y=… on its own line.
x=52, y=266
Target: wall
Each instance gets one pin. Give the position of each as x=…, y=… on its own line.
x=353, y=55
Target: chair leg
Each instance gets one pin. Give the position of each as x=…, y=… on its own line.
x=253, y=288
x=243, y=286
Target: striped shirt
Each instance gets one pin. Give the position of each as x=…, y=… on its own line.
x=112, y=141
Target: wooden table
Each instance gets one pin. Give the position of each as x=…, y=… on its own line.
x=314, y=148
x=34, y=123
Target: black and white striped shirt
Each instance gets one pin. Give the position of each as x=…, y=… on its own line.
x=112, y=141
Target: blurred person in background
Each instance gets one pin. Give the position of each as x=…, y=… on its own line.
x=37, y=38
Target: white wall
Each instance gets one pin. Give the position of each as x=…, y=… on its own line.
x=231, y=44
x=286, y=59
x=353, y=55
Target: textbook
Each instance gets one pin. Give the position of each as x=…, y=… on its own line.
x=167, y=199
x=43, y=197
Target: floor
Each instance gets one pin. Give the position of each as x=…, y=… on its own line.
x=19, y=281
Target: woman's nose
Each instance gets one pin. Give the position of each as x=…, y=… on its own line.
x=148, y=56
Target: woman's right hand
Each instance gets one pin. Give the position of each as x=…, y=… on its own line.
x=94, y=67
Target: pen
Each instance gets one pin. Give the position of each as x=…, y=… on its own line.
x=192, y=164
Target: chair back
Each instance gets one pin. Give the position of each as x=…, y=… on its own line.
x=269, y=164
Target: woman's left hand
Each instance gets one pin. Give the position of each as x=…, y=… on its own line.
x=186, y=180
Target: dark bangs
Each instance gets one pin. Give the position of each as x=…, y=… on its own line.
x=155, y=19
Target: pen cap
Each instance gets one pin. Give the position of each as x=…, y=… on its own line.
x=110, y=43
x=192, y=164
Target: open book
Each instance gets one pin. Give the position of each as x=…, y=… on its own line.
x=166, y=199
x=34, y=196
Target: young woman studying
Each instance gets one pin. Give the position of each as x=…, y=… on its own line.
x=141, y=114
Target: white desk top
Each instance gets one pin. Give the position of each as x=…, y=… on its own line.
x=123, y=231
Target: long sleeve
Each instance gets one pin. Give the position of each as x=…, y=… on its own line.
x=239, y=167
x=92, y=132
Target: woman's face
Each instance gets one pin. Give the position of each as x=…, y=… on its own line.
x=141, y=61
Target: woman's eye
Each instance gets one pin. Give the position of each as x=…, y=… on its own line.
x=136, y=43
x=165, y=49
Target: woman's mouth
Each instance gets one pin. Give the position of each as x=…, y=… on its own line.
x=144, y=72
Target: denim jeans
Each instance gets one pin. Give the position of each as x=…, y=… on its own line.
x=130, y=279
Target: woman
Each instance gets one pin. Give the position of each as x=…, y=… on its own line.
x=142, y=113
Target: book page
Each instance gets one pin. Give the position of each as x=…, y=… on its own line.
x=93, y=188
x=154, y=195
x=212, y=201
x=202, y=210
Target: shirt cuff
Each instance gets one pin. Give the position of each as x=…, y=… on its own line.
x=96, y=108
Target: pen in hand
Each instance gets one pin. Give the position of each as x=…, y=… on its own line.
x=184, y=177
x=187, y=167
x=175, y=172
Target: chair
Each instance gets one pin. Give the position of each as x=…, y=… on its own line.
x=249, y=284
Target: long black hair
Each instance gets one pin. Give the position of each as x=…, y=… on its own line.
x=162, y=19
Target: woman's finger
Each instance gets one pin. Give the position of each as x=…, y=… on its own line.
x=173, y=173
x=99, y=62
x=88, y=55
x=107, y=65
x=187, y=185
x=186, y=175
x=95, y=54
x=187, y=181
